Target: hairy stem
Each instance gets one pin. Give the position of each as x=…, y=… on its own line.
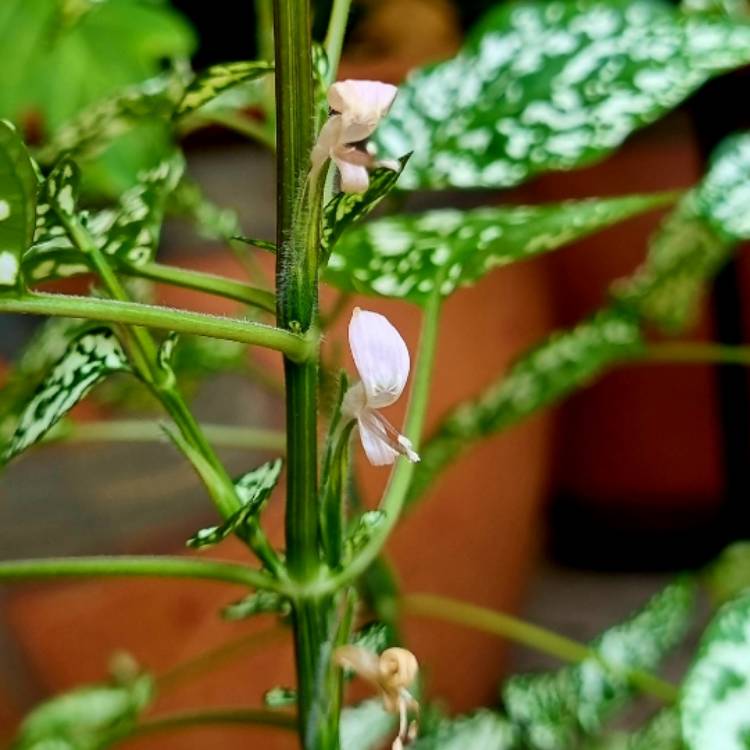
x=296, y=347
x=147, y=431
x=533, y=636
x=124, y=566
x=205, y=282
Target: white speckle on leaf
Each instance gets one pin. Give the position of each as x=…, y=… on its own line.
x=8, y=268
x=4, y=210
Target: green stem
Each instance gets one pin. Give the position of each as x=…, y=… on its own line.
x=216, y=717
x=141, y=431
x=298, y=241
x=205, y=282
x=294, y=346
x=122, y=566
x=697, y=352
x=395, y=494
x=334, y=41
x=532, y=636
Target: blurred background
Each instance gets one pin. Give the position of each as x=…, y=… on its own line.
x=580, y=512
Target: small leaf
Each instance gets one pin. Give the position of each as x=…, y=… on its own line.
x=83, y=718
x=255, y=242
x=484, y=730
x=545, y=85
x=556, y=709
x=211, y=82
x=253, y=490
x=88, y=359
x=345, y=209
x=405, y=256
x=716, y=691
x=280, y=697
x=18, y=185
x=366, y=726
x=361, y=533
x=258, y=603
x=565, y=361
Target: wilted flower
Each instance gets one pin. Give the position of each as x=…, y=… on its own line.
x=392, y=673
x=382, y=361
x=358, y=107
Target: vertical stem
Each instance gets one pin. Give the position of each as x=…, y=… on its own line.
x=298, y=231
x=334, y=41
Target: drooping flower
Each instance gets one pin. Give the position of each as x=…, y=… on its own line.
x=392, y=673
x=357, y=108
x=382, y=361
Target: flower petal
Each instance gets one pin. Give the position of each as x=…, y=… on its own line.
x=328, y=139
x=354, y=177
x=377, y=450
x=365, y=663
x=361, y=104
x=380, y=355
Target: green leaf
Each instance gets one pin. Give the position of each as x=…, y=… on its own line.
x=345, y=209
x=483, y=730
x=406, y=256
x=91, y=131
x=88, y=360
x=212, y=221
x=543, y=85
x=694, y=241
x=366, y=726
x=258, y=603
x=253, y=490
x=556, y=709
x=280, y=697
x=545, y=374
x=663, y=732
x=716, y=692
x=18, y=184
x=365, y=525
x=83, y=718
x=729, y=575
x=129, y=234
x=211, y=82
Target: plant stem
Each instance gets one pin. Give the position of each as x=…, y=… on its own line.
x=140, y=431
x=292, y=345
x=395, y=494
x=298, y=241
x=216, y=717
x=696, y=352
x=533, y=636
x=122, y=566
x=334, y=41
x=204, y=282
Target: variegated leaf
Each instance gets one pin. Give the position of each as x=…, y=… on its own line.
x=84, y=718
x=565, y=361
x=366, y=726
x=18, y=183
x=345, y=209
x=406, y=256
x=556, y=709
x=484, y=730
x=91, y=131
x=253, y=490
x=716, y=691
x=547, y=84
x=211, y=82
x=88, y=359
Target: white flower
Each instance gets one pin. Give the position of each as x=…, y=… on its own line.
x=358, y=107
x=392, y=673
x=382, y=361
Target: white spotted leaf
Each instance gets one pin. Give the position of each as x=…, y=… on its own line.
x=88, y=359
x=405, y=256
x=716, y=691
x=18, y=183
x=557, y=709
x=84, y=718
x=208, y=84
x=483, y=730
x=546, y=85
x=253, y=489
x=565, y=361
x=366, y=726
x=694, y=241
